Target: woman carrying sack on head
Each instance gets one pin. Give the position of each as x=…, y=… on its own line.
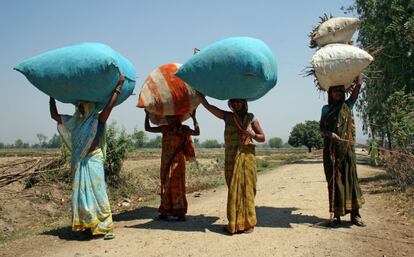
x=339, y=160
x=241, y=128
x=84, y=134
x=177, y=147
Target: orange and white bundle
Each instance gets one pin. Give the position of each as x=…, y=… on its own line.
x=165, y=94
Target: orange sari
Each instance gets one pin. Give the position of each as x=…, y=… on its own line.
x=177, y=147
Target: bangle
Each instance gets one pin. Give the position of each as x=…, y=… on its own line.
x=117, y=91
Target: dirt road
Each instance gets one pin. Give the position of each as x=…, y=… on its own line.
x=290, y=201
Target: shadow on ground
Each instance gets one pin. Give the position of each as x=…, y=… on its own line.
x=266, y=216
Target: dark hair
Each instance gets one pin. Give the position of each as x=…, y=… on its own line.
x=330, y=98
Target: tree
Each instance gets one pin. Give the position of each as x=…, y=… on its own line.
x=275, y=142
x=154, y=142
x=387, y=32
x=20, y=144
x=55, y=142
x=139, y=138
x=211, y=143
x=306, y=134
x=42, y=139
x=399, y=109
x=2, y=145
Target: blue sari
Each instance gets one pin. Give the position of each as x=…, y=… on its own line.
x=90, y=203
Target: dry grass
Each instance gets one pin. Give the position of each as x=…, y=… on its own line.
x=400, y=166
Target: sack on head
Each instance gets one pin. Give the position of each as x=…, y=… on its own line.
x=237, y=67
x=163, y=94
x=339, y=64
x=83, y=72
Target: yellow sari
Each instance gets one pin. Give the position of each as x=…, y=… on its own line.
x=241, y=177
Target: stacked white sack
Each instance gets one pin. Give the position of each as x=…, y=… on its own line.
x=339, y=64
x=335, y=30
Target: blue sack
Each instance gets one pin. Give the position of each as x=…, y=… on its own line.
x=83, y=72
x=233, y=68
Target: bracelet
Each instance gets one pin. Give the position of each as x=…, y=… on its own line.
x=117, y=91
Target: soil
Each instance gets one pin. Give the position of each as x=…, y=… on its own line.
x=292, y=206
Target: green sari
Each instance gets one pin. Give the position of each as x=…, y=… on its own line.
x=339, y=161
x=240, y=173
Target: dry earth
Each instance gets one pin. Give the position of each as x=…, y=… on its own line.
x=291, y=201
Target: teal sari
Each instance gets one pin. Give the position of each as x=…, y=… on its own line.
x=90, y=203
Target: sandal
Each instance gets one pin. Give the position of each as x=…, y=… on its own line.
x=357, y=221
x=249, y=231
x=226, y=230
x=108, y=236
x=334, y=223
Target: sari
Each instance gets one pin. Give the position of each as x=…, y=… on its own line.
x=177, y=147
x=90, y=203
x=240, y=174
x=339, y=160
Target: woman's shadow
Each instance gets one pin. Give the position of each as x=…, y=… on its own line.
x=267, y=217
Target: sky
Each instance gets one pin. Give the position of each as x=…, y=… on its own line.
x=153, y=33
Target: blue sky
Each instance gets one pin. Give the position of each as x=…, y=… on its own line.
x=152, y=33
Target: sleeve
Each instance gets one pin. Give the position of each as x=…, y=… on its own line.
x=252, y=118
x=227, y=116
x=325, y=110
x=350, y=104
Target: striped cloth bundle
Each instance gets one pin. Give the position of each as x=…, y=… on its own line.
x=164, y=94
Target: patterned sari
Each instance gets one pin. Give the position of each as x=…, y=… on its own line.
x=177, y=147
x=340, y=162
x=240, y=173
x=90, y=203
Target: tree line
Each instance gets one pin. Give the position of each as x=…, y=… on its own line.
x=302, y=135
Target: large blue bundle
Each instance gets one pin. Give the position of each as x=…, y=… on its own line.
x=238, y=67
x=83, y=72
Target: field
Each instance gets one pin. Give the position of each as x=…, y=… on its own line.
x=33, y=201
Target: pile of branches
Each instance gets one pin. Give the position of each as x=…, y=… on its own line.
x=30, y=170
x=400, y=165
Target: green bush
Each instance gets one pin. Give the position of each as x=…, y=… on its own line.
x=119, y=143
x=275, y=142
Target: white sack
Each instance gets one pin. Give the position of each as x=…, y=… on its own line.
x=336, y=30
x=339, y=64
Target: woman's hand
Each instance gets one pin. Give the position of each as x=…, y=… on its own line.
x=334, y=137
x=248, y=132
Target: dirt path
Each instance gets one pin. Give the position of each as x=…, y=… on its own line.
x=289, y=201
